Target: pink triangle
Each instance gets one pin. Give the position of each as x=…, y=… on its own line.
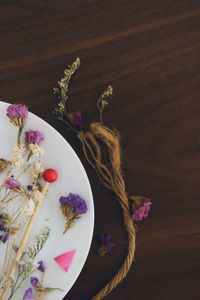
x=64, y=260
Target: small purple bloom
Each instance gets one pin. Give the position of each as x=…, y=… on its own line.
x=75, y=202
x=106, y=241
x=29, y=187
x=143, y=211
x=78, y=119
x=33, y=136
x=11, y=183
x=17, y=111
x=41, y=266
x=106, y=244
x=3, y=228
x=34, y=281
x=29, y=294
x=4, y=237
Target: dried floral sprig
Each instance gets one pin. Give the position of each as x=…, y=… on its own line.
x=72, y=207
x=33, y=138
x=72, y=120
x=102, y=103
x=41, y=239
x=26, y=267
x=17, y=114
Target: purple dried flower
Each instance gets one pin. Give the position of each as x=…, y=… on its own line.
x=75, y=202
x=29, y=187
x=72, y=207
x=41, y=266
x=29, y=294
x=17, y=113
x=4, y=237
x=11, y=183
x=76, y=119
x=143, y=211
x=33, y=136
x=34, y=281
x=106, y=246
x=3, y=228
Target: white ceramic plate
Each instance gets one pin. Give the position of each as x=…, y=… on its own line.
x=71, y=178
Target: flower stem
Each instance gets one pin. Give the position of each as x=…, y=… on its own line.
x=19, y=133
x=73, y=129
x=68, y=225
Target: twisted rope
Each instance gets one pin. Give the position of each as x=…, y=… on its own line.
x=112, y=178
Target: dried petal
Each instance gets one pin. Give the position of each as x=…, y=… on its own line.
x=29, y=294
x=34, y=281
x=41, y=266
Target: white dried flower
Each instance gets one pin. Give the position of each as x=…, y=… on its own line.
x=37, y=196
x=37, y=169
x=29, y=207
x=19, y=148
x=35, y=149
x=16, y=160
x=27, y=267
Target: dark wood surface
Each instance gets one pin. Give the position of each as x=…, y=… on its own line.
x=149, y=50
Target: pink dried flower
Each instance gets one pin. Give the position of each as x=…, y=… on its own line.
x=17, y=113
x=11, y=183
x=76, y=119
x=33, y=136
x=143, y=211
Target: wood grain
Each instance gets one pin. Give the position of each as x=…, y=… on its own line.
x=149, y=51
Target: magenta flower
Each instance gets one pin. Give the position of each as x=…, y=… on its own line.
x=143, y=211
x=34, y=281
x=29, y=294
x=41, y=266
x=106, y=245
x=17, y=113
x=76, y=119
x=33, y=136
x=72, y=207
x=11, y=183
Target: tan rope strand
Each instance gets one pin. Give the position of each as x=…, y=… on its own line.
x=99, y=166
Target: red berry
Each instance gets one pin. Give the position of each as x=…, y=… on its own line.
x=50, y=175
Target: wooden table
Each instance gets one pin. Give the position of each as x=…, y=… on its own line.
x=149, y=50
